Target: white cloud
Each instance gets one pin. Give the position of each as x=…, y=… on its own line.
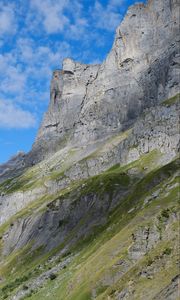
x=14, y=81
x=26, y=71
x=7, y=20
x=37, y=56
x=108, y=17
x=65, y=17
x=116, y=3
x=12, y=77
x=12, y=116
x=51, y=14
x=26, y=66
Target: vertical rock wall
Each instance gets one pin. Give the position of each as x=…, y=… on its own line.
x=91, y=102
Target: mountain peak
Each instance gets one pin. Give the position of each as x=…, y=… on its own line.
x=91, y=212
x=95, y=101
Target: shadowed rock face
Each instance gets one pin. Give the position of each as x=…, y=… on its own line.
x=156, y=130
x=90, y=102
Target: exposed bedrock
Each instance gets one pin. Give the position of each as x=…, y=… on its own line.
x=91, y=102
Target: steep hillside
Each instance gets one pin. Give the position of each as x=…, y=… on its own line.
x=88, y=236
x=91, y=212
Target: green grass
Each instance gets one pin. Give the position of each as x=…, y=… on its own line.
x=106, y=244
x=98, y=253
x=22, y=183
x=94, y=262
x=172, y=100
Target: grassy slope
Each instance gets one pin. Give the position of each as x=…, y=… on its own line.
x=171, y=100
x=98, y=255
x=98, y=258
x=95, y=269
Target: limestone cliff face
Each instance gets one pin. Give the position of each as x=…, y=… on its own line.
x=94, y=204
x=91, y=102
x=157, y=130
x=68, y=92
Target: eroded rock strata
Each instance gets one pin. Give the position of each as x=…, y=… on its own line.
x=91, y=212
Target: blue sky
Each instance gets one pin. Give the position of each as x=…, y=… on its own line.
x=35, y=36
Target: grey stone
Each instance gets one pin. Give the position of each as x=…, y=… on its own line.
x=96, y=101
x=90, y=108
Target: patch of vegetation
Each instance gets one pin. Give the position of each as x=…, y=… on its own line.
x=53, y=276
x=23, y=263
x=100, y=289
x=14, y=284
x=165, y=213
x=110, y=143
x=145, y=163
x=106, y=182
x=105, y=245
x=114, y=168
x=20, y=183
x=167, y=251
x=172, y=100
x=149, y=261
x=29, y=295
x=57, y=175
x=25, y=287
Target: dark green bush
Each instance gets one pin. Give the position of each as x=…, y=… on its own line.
x=167, y=251
x=52, y=276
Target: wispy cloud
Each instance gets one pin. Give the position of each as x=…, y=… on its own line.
x=51, y=14
x=7, y=19
x=107, y=17
x=12, y=116
x=35, y=36
x=25, y=72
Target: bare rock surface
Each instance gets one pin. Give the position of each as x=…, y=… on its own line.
x=104, y=155
x=89, y=102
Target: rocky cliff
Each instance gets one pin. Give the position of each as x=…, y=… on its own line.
x=92, y=211
x=89, y=102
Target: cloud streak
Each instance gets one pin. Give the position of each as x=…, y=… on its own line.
x=7, y=20
x=35, y=36
x=107, y=17
x=51, y=14
x=12, y=116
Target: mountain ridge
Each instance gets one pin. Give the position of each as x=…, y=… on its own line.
x=100, y=100
x=91, y=212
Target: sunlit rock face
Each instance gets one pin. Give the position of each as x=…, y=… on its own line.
x=102, y=175
x=90, y=102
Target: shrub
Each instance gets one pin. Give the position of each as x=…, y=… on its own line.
x=149, y=262
x=165, y=213
x=167, y=251
x=52, y=276
x=25, y=287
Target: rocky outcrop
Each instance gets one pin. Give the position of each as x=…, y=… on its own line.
x=77, y=215
x=68, y=92
x=60, y=217
x=143, y=240
x=170, y=292
x=91, y=102
x=13, y=167
x=101, y=178
x=156, y=130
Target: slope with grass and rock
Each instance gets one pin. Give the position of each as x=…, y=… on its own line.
x=91, y=212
